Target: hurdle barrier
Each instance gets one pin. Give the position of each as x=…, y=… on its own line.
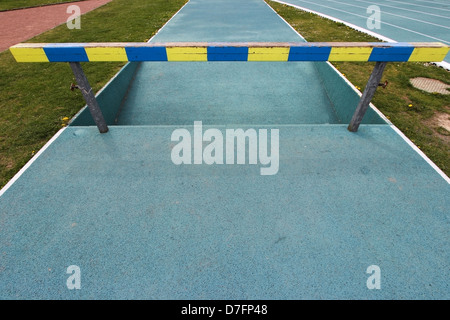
x=379, y=52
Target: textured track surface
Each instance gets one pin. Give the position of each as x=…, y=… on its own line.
x=139, y=226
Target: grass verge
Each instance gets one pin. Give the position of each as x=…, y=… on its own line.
x=423, y=117
x=35, y=97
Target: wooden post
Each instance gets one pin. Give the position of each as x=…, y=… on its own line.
x=367, y=96
x=89, y=97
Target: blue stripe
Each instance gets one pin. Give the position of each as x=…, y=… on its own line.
x=66, y=54
x=400, y=54
x=227, y=53
x=146, y=53
x=309, y=53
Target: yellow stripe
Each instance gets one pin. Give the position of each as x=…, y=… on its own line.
x=187, y=54
x=106, y=54
x=350, y=54
x=268, y=54
x=429, y=54
x=29, y=54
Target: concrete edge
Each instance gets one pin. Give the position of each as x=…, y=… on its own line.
x=372, y=106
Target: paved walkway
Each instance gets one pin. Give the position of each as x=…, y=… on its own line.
x=20, y=25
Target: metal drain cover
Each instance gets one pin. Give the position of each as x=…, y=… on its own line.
x=430, y=85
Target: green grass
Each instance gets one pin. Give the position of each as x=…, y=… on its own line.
x=36, y=96
x=417, y=121
x=16, y=4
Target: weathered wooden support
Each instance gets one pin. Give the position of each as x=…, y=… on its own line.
x=367, y=96
x=89, y=97
x=379, y=52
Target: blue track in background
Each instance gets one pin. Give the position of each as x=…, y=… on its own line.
x=413, y=21
x=141, y=227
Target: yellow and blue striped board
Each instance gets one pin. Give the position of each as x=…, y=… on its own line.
x=230, y=51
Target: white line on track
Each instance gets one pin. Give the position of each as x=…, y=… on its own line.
x=420, y=152
x=419, y=5
x=165, y=24
x=29, y=163
x=433, y=2
x=404, y=9
x=45, y=147
x=365, y=17
x=351, y=25
x=393, y=14
x=372, y=106
x=292, y=28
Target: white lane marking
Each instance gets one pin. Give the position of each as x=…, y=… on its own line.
x=419, y=5
x=393, y=14
x=420, y=152
x=404, y=9
x=165, y=24
x=30, y=162
x=292, y=28
x=351, y=25
x=372, y=106
x=36, y=156
x=365, y=17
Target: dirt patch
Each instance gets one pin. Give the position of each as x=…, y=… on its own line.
x=407, y=100
x=443, y=120
x=440, y=123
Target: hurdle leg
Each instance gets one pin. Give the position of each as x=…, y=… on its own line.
x=89, y=97
x=367, y=96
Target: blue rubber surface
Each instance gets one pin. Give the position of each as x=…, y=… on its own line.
x=140, y=227
x=415, y=21
x=219, y=93
x=226, y=92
